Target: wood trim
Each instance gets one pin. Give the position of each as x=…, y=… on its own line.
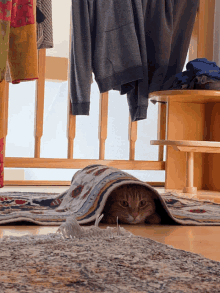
x=189, y=143
x=57, y=183
x=56, y=68
x=36, y=183
x=186, y=96
x=81, y=163
x=188, y=149
x=205, y=50
x=206, y=29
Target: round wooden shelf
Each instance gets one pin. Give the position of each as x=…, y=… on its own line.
x=190, y=145
x=186, y=96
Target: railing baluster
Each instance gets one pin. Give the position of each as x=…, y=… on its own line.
x=6, y=97
x=71, y=131
x=3, y=88
x=103, y=124
x=71, y=119
x=161, y=128
x=132, y=136
x=39, y=102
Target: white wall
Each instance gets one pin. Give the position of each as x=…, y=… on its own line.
x=61, y=29
x=20, y=138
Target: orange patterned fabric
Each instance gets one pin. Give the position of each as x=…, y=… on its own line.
x=18, y=45
x=18, y=40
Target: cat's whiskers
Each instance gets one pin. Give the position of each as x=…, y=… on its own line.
x=131, y=204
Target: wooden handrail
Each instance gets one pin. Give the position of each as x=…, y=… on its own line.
x=55, y=183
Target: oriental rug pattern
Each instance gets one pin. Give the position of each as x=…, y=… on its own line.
x=86, y=198
x=117, y=264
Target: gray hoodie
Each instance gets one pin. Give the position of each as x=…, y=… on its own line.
x=133, y=46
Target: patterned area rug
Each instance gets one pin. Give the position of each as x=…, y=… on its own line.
x=111, y=264
x=86, y=198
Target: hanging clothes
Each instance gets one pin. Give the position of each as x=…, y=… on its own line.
x=18, y=40
x=103, y=41
x=200, y=73
x=40, y=17
x=164, y=29
x=44, y=35
x=18, y=46
x=168, y=26
x=45, y=28
x=147, y=38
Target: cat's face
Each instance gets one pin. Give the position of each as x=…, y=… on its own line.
x=132, y=204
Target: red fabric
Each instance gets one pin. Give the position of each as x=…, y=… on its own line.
x=19, y=80
x=1, y=163
x=18, y=40
x=5, y=9
x=21, y=12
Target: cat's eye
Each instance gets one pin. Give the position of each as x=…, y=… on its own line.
x=142, y=203
x=124, y=203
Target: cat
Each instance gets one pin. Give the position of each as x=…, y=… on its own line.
x=132, y=204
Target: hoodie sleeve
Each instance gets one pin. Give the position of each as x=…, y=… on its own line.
x=80, y=58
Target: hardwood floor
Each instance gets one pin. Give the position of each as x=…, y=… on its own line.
x=204, y=240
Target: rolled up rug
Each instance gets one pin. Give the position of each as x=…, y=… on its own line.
x=87, y=195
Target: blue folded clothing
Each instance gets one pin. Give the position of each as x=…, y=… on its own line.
x=200, y=74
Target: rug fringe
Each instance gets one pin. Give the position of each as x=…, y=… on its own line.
x=72, y=229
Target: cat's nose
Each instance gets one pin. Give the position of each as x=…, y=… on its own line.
x=135, y=215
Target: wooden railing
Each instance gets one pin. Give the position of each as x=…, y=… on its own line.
x=196, y=49
x=70, y=162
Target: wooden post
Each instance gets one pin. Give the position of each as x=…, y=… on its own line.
x=71, y=119
x=39, y=104
x=132, y=136
x=161, y=128
x=71, y=131
x=103, y=124
x=206, y=29
x=190, y=173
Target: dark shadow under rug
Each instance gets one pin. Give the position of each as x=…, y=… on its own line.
x=86, y=197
